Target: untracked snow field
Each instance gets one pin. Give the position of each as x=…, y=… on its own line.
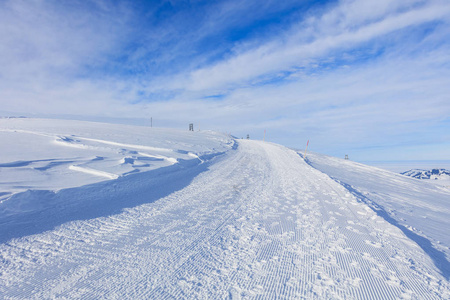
x=93, y=211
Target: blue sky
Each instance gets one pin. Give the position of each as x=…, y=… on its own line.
x=366, y=78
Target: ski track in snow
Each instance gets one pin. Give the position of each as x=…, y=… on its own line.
x=260, y=223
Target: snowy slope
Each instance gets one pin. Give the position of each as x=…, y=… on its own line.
x=55, y=154
x=252, y=221
x=40, y=160
x=420, y=208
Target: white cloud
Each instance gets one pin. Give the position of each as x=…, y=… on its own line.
x=386, y=102
x=336, y=29
x=48, y=45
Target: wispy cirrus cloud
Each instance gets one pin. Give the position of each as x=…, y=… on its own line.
x=316, y=37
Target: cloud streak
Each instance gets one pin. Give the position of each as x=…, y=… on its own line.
x=278, y=56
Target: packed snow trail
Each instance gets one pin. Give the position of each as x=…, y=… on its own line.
x=260, y=223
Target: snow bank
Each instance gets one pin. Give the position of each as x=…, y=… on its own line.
x=420, y=208
x=41, y=157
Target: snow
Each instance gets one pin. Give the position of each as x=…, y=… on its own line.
x=207, y=217
x=419, y=207
x=402, y=166
x=435, y=174
x=54, y=154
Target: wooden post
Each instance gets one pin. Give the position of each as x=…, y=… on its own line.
x=304, y=156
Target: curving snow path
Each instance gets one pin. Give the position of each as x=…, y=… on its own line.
x=259, y=223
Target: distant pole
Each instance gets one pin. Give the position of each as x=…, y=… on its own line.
x=264, y=139
x=306, y=149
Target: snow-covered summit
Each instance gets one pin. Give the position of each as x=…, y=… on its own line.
x=436, y=174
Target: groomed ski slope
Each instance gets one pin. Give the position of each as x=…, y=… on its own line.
x=420, y=208
x=257, y=222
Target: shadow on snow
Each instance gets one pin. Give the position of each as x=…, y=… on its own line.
x=439, y=259
x=36, y=211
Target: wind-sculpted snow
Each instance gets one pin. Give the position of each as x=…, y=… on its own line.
x=254, y=222
x=56, y=154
